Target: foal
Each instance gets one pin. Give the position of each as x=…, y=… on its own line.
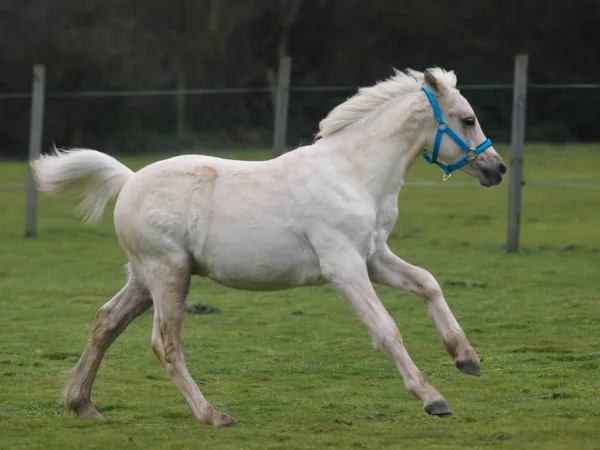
x=319, y=214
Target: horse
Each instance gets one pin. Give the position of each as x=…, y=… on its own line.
x=321, y=213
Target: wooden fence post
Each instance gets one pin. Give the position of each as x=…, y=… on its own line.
x=517, y=149
x=281, y=105
x=36, y=130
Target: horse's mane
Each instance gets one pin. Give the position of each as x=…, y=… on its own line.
x=373, y=98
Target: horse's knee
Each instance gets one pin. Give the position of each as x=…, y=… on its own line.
x=426, y=286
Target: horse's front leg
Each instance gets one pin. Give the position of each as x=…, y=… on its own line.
x=387, y=269
x=347, y=272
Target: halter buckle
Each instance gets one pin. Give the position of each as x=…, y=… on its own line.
x=446, y=176
x=471, y=154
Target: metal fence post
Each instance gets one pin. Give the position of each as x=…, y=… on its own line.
x=35, y=145
x=516, y=156
x=281, y=105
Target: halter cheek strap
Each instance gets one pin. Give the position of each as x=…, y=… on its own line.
x=471, y=153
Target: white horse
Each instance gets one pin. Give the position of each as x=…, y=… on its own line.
x=319, y=214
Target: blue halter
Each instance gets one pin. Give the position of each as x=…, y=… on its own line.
x=471, y=153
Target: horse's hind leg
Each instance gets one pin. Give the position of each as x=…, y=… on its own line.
x=169, y=288
x=111, y=320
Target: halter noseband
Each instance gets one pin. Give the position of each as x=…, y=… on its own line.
x=471, y=153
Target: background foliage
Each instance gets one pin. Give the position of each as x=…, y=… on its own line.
x=150, y=44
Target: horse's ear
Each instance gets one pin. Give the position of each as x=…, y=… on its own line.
x=431, y=82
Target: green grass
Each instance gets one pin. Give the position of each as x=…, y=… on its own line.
x=296, y=367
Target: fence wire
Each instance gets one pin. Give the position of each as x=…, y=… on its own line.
x=216, y=91
x=136, y=120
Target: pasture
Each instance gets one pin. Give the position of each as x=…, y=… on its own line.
x=296, y=367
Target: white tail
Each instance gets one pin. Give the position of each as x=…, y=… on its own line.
x=98, y=176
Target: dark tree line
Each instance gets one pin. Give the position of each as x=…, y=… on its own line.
x=160, y=44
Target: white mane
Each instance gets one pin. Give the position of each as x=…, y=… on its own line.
x=373, y=98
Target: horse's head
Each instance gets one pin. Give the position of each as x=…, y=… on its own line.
x=455, y=140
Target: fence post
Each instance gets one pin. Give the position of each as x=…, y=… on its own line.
x=36, y=129
x=281, y=105
x=516, y=156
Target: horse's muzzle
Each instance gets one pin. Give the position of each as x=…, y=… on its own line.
x=493, y=176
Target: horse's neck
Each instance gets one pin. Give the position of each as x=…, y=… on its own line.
x=379, y=164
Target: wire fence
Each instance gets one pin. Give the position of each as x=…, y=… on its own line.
x=218, y=91
x=284, y=114
x=147, y=120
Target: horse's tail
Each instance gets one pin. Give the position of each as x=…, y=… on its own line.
x=97, y=176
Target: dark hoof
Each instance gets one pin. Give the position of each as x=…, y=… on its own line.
x=224, y=420
x=439, y=408
x=468, y=367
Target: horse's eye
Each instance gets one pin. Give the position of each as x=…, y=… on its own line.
x=469, y=121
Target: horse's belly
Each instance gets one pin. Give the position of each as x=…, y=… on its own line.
x=260, y=263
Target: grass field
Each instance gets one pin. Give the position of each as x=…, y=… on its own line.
x=297, y=367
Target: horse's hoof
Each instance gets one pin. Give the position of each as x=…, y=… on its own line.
x=438, y=408
x=225, y=420
x=89, y=412
x=468, y=367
